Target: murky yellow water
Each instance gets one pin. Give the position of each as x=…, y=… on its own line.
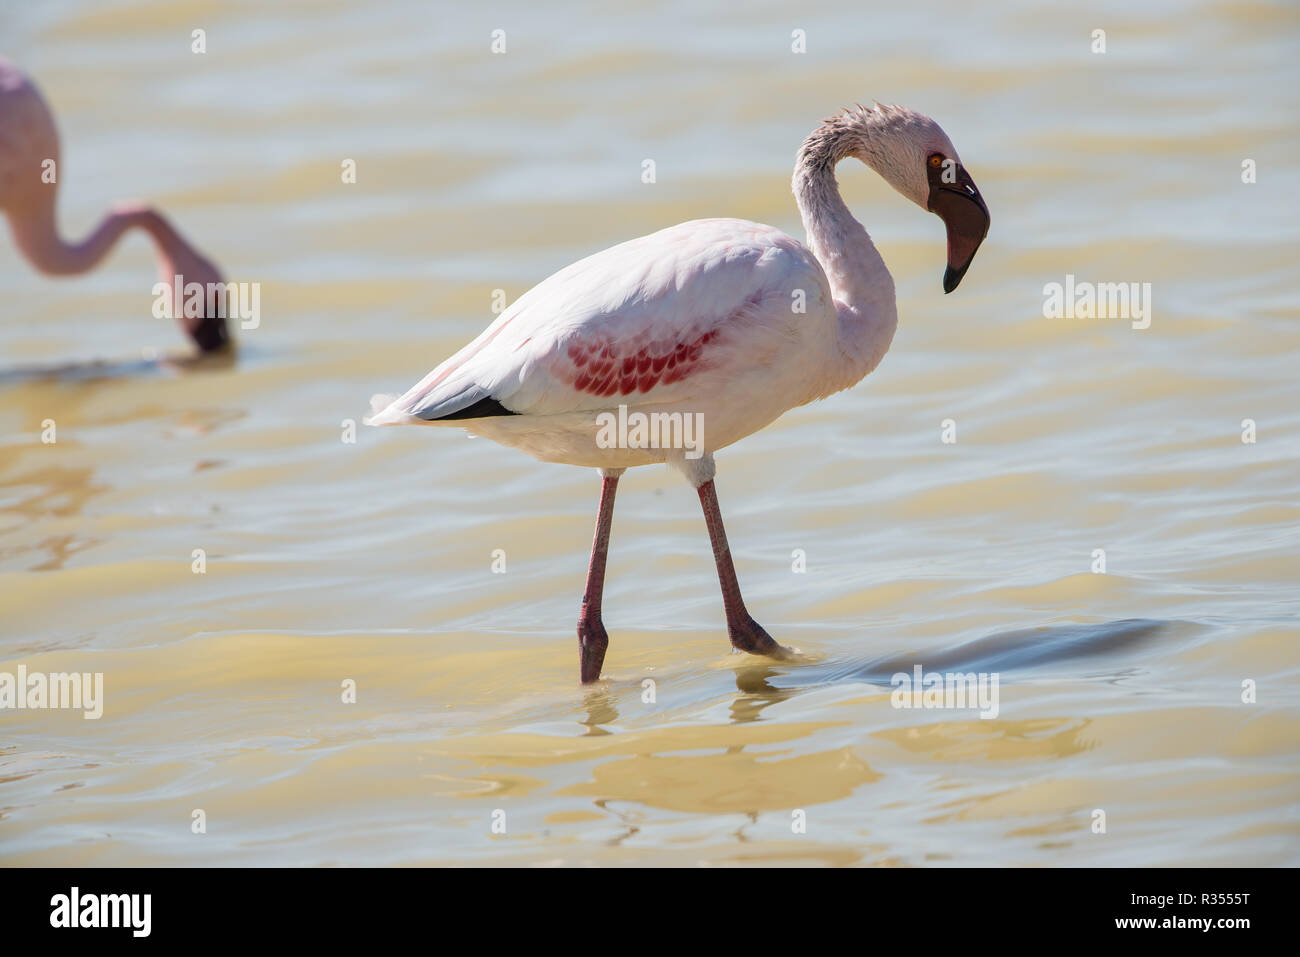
x=1120, y=692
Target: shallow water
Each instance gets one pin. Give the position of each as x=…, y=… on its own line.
x=372, y=561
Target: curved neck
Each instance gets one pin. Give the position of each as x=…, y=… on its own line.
x=37, y=236
x=860, y=283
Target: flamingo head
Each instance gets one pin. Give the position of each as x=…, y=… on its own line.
x=914, y=155
x=206, y=324
x=189, y=279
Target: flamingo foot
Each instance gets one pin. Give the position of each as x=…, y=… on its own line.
x=592, y=642
x=749, y=636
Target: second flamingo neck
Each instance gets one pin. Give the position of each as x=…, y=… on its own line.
x=36, y=233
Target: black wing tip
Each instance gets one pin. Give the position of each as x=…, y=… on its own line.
x=482, y=409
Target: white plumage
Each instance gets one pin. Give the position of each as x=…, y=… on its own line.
x=713, y=300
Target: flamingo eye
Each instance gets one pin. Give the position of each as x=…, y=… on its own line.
x=936, y=160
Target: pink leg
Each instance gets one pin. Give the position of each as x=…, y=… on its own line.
x=592, y=640
x=745, y=633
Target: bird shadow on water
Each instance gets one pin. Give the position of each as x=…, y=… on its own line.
x=91, y=370
x=1022, y=652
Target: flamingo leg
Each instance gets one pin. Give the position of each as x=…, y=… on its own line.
x=592, y=639
x=745, y=633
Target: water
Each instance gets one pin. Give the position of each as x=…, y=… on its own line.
x=328, y=561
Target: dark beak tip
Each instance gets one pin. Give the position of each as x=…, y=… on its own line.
x=966, y=219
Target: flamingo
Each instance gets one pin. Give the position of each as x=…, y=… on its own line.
x=29, y=142
x=728, y=320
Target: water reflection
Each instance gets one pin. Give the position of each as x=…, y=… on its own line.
x=756, y=693
x=600, y=709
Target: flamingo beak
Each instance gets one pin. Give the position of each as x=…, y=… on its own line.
x=955, y=200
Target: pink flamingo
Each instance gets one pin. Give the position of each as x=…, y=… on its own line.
x=728, y=322
x=28, y=142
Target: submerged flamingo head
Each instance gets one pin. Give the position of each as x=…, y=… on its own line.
x=914, y=155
